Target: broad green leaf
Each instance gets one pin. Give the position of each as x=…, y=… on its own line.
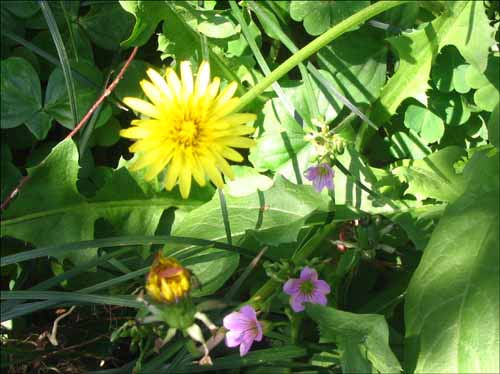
x=273, y=216
x=494, y=126
x=408, y=145
x=464, y=24
x=56, y=99
x=487, y=84
x=147, y=16
x=448, y=71
x=423, y=121
x=22, y=9
x=319, y=16
x=247, y=181
x=217, y=26
x=51, y=211
x=282, y=147
x=39, y=124
x=363, y=339
x=451, y=107
x=212, y=268
x=452, y=305
x=360, y=72
x=107, y=24
x=419, y=222
x=434, y=176
x=21, y=92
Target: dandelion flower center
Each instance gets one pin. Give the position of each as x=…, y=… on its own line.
x=187, y=128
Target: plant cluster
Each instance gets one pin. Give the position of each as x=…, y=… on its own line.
x=255, y=187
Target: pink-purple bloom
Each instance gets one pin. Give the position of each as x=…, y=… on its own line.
x=308, y=288
x=244, y=329
x=321, y=176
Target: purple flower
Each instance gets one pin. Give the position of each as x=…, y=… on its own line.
x=321, y=176
x=308, y=288
x=243, y=329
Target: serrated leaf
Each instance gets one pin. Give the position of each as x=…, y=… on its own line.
x=464, y=24
x=434, y=176
x=458, y=276
x=319, y=16
x=51, y=211
x=363, y=339
x=21, y=92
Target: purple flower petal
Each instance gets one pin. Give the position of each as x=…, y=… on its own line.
x=233, y=338
x=245, y=347
x=308, y=273
x=243, y=328
x=235, y=321
x=249, y=313
x=322, y=286
x=292, y=286
x=297, y=303
x=318, y=298
x=259, y=335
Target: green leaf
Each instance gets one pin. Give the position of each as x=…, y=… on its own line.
x=39, y=125
x=319, y=16
x=494, y=126
x=360, y=72
x=282, y=147
x=212, y=268
x=22, y=9
x=247, y=181
x=448, y=71
x=487, y=84
x=434, y=176
x=102, y=31
x=464, y=25
x=147, y=16
x=217, y=26
x=457, y=277
x=21, y=92
x=363, y=339
x=273, y=216
x=408, y=145
x=451, y=107
x=11, y=176
x=51, y=211
x=56, y=97
x=423, y=121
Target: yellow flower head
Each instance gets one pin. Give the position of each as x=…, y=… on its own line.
x=167, y=280
x=190, y=128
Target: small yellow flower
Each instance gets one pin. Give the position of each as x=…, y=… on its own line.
x=190, y=128
x=167, y=280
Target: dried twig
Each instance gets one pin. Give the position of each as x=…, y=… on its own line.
x=77, y=128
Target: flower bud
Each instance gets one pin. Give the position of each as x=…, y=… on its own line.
x=167, y=280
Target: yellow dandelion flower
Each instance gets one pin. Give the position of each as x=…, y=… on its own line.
x=190, y=128
x=167, y=280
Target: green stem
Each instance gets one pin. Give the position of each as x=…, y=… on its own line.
x=315, y=46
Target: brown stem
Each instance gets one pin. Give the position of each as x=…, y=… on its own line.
x=77, y=128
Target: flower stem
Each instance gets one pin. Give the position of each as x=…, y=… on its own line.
x=315, y=46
